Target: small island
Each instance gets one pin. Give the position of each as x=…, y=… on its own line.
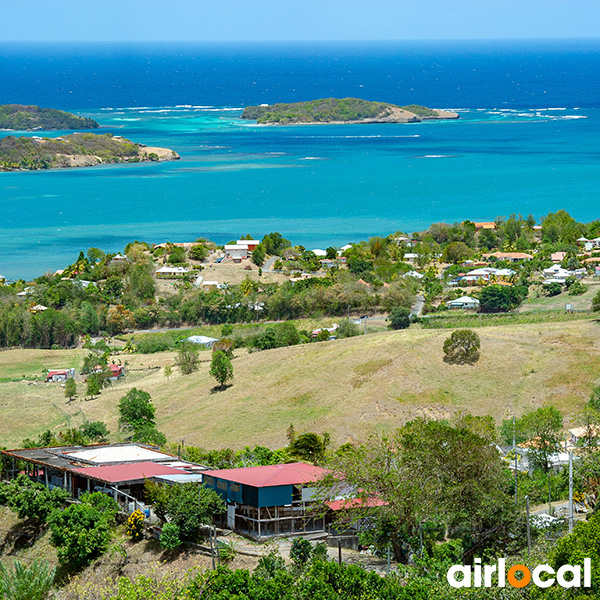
x=342, y=110
x=18, y=117
x=75, y=150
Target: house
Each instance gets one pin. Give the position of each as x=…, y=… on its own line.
x=319, y=253
x=268, y=501
x=484, y=225
x=509, y=256
x=38, y=308
x=120, y=470
x=59, y=374
x=202, y=340
x=116, y=372
x=332, y=331
x=327, y=263
x=556, y=274
x=413, y=274
x=578, y=435
x=558, y=257
x=464, y=302
x=237, y=252
x=410, y=256
x=172, y=271
x=118, y=258
x=250, y=244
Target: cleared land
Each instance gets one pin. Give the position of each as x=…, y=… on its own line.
x=349, y=387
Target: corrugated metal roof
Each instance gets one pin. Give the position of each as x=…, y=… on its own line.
x=271, y=475
x=127, y=472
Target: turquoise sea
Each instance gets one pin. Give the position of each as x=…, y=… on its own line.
x=318, y=185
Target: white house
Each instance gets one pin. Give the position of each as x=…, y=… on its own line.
x=414, y=274
x=250, y=244
x=236, y=252
x=319, y=253
x=556, y=274
x=172, y=271
x=465, y=302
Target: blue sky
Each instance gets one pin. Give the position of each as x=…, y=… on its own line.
x=270, y=20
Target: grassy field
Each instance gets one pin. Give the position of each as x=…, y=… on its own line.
x=349, y=388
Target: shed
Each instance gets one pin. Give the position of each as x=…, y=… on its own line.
x=202, y=340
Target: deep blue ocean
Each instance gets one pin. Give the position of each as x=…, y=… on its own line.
x=527, y=142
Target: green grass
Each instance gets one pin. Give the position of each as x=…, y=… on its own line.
x=453, y=321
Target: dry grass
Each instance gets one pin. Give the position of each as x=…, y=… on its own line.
x=348, y=387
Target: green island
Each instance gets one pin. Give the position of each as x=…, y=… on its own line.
x=75, y=150
x=20, y=117
x=342, y=110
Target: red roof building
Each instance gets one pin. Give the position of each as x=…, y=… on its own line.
x=130, y=472
x=271, y=475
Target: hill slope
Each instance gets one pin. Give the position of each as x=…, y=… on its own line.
x=21, y=117
x=349, y=387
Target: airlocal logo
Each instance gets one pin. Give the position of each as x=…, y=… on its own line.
x=480, y=575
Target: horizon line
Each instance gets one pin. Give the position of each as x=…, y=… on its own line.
x=298, y=41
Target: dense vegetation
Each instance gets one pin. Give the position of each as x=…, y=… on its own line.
x=21, y=117
x=328, y=110
x=35, y=153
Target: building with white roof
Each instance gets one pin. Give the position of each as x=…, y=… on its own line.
x=464, y=302
x=202, y=340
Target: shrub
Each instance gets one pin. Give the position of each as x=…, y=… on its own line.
x=462, y=347
x=553, y=289
x=80, y=534
x=221, y=368
x=169, y=537
x=596, y=302
x=348, y=329
x=34, y=500
x=26, y=583
x=187, y=358
x=577, y=288
x=301, y=552
x=399, y=318
x=498, y=298
x=135, y=525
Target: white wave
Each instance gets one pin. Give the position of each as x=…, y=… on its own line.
x=312, y=158
x=573, y=117
x=183, y=106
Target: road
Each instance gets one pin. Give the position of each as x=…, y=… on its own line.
x=418, y=307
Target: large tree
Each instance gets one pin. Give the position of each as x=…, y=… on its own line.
x=221, y=368
x=426, y=472
x=136, y=411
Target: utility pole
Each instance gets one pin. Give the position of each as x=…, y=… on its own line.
x=570, y=491
x=528, y=530
x=516, y=462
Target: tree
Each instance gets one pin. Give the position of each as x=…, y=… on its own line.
x=425, y=472
x=32, y=500
x=136, y=411
x=594, y=401
x=462, y=347
x=199, y=252
x=498, y=298
x=221, y=368
x=456, y=252
x=93, y=385
x=399, y=318
x=543, y=429
x=187, y=358
x=596, y=303
x=70, y=389
x=258, y=255
x=168, y=371
x=309, y=446
x=95, y=431
x=170, y=536
x=187, y=505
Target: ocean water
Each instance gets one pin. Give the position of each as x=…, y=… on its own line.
x=526, y=142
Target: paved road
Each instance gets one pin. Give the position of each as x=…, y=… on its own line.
x=269, y=264
x=418, y=307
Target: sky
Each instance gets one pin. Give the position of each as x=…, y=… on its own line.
x=297, y=20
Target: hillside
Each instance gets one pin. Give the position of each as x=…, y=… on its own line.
x=22, y=118
x=341, y=110
x=75, y=150
x=349, y=387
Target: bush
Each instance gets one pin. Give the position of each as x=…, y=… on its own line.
x=553, y=289
x=80, y=534
x=301, y=552
x=348, y=329
x=169, y=537
x=154, y=343
x=135, y=525
x=462, y=347
x=26, y=583
x=399, y=318
x=596, y=302
x=34, y=500
x=577, y=288
x=187, y=358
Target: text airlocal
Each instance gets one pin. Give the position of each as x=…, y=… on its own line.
x=543, y=576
